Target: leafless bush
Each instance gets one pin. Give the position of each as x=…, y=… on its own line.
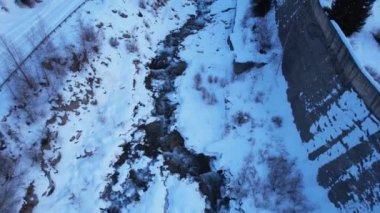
x=89, y=38
x=142, y=4
x=16, y=58
x=241, y=118
x=114, y=42
x=259, y=97
x=212, y=79
x=277, y=121
x=132, y=46
x=208, y=97
x=263, y=35
x=279, y=191
x=88, y=34
x=34, y=75
x=198, y=81
x=158, y=3
x=7, y=188
x=25, y=100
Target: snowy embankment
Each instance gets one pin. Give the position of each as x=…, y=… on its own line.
x=66, y=154
x=366, y=47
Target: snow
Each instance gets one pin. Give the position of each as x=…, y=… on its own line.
x=81, y=174
x=326, y=3
x=241, y=120
x=33, y=21
x=365, y=46
x=211, y=128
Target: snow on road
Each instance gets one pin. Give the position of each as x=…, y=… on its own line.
x=19, y=25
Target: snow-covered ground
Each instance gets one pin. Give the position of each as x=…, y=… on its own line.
x=72, y=150
x=365, y=45
x=234, y=116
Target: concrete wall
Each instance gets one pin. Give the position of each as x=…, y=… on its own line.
x=336, y=108
x=345, y=62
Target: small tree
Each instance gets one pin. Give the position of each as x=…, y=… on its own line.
x=351, y=14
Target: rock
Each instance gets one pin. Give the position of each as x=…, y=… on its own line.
x=178, y=69
x=240, y=68
x=174, y=140
x=160, y=62
x=210, y=184
x=153, y=134
x=230, y=45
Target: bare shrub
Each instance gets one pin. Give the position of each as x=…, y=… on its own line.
x=159, y=3
x=132, y=46
x=88, y=34
x=114, y=42
x=7, y=188
x=212, y=79
x=277, y=121
x=259, y=97
x=89, y=38
x=14, y=55
x=33, y=75
x=198, y=81
x=25, y=100
x=142, y=4
x=208, y=97
x=241, y=118
x=280, y=190
x=263, y=36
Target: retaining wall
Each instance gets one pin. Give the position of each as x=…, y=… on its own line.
x=336, y=107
